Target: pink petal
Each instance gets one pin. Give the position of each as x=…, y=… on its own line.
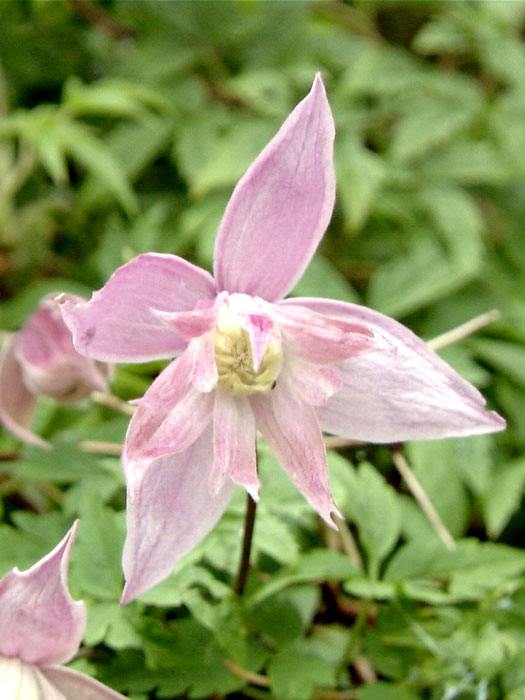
x=189, y=324
x=313, y=384
x=117, y=324
x=17, y=403
x=321, y=339
x=171, y=415
x=204, y=373
x=234, y=436
x=281, y=206
x=260, y=331
x=291, y=429
x=409, y=394
x=170, y=508
x=76, y=686
x=39, y=621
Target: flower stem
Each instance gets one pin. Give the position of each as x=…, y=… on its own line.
x=422, y=498
x=244, y=565
x=464, y=330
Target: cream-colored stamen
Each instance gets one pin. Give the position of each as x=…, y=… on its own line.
x=234, y=359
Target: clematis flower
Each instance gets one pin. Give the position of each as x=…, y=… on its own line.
x=40, y=360
x=41, y=627
x=247, y=360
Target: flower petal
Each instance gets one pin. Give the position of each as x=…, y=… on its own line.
x=17, y=403
x=291, y=429
x=50, y=364
x=19, y=681
x=204, y=373
x=314, y=385
x=39, y=621
x=234, y=436
x=171, y=415
x=77, y=686
x=117, y=324
x=281, y=206
x=170, y=509
x=409, y=394
x=321, y=339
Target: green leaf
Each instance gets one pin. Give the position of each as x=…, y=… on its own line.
x=360, y=174
x=322, y=279
x=315, y=565
x=507, y=357
x=98, y=550
x=385, y=691
x=503, y=497
x=296, y=671
x=374, y=508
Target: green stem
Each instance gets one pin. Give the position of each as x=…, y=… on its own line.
x=244, y=565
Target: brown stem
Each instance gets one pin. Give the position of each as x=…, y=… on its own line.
x=244, y=565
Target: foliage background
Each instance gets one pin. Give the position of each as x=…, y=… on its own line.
x=124, y=126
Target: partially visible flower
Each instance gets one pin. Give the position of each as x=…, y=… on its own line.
x=40, y=360
x=41, y=628
x=247, y=360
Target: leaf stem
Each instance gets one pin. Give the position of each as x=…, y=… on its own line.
x=421, y=496
x=464, y=330
x=244, y=565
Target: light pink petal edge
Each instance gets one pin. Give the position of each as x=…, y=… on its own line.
x=39, y=621
x=17, y=403
x=290, y=428
x=234, y=444
x=118, y=325
x=170, y=509
x=281, y=206
x=77, y=686
x=409, y=394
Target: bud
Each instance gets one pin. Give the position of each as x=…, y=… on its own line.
x=41, y=360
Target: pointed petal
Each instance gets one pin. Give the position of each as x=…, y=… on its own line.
x=117, y=324
x=320, y=339
x=281, y=206
x=170, y=509
x=313, y=384
x=171, y=415
x=39, y=621
x=408, y=394
x=77, y=686
x=234, y=436
x=291, y=429
x=17, y=403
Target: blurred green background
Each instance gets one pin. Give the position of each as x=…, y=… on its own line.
x=123, y=127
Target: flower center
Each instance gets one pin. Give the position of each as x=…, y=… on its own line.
x=234, y=359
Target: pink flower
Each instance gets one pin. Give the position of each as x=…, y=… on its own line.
x=41, y=359
x=247, y=360
x=41, y=628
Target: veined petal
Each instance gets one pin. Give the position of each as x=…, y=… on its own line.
x=281, y=206
x=189, y=324
x=117, y=324
x=409, y=394
x=39, y=621
x=17, y=403
x=321, y=339
x=204, y=373
x=170, y=509
x=291, y=429
x=76, y=686
x=260, y=331
x=234, y=435
x=171, y=415
x=314, y=384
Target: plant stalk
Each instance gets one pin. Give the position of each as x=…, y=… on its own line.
x=244, y=565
